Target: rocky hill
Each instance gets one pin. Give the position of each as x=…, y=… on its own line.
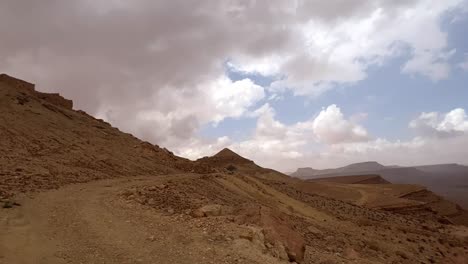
x=45, y=144
x=228, y=161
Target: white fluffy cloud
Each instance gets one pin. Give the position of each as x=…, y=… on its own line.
x=334, y=50
x=452, y=123
x=331, y=127
x=270, y=142
x=275, y=144
x=171, y=116
x=232, y=99
x=287, y=147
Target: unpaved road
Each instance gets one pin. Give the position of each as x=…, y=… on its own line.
x=88, y=223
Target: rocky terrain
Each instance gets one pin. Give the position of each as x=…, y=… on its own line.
x=77, y=190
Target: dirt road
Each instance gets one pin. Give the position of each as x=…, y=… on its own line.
x=87, y=223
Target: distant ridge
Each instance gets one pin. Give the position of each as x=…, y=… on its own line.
x=352, y=168
x=355, y=179
x=447, y=180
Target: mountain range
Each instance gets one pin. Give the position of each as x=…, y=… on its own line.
x=448, y=180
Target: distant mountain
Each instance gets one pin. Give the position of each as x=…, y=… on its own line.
x=355, y=179
x=452, y=168
x=448, y=180
x=352, y=168
x=305, y=172
x=364, y=166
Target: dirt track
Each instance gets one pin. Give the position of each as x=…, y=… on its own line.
x=85, y=224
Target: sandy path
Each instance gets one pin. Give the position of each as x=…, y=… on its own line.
x=86, y=224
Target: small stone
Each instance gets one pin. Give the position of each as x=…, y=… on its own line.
x=151, y=201
x=198, y=213
x=402, y=254
x=314, y=230
x=350, y=253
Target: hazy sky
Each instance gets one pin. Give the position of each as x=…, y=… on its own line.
x=285, y=83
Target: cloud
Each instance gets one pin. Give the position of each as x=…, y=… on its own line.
x=331, y=127
x=158, y=68
x=464, y=65
x=234, y=98
x=434, y=66
x=270, y=141
x=275, y=144
x=340, y=44
x=449, y=124
x=173, y=115
x=286, y=147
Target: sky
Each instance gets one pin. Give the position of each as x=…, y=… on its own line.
x=286, y=83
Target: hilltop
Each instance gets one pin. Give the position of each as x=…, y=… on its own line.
x=227, y=157
x=228, y=161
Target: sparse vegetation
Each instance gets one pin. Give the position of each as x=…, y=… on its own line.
x=231, y=168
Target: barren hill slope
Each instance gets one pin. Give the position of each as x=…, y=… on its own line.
x=44, y=144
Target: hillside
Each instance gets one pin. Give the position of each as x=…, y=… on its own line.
x=45, y=144
x=76, y=190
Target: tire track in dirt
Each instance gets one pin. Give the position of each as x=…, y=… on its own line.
x=86, y=223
